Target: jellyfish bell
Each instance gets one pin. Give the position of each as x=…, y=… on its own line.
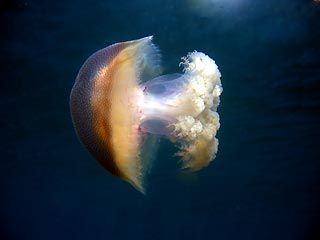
x=120, y=106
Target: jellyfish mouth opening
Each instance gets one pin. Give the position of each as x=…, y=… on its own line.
x=156, y=126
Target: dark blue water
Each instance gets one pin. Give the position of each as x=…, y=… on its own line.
x=265, y=181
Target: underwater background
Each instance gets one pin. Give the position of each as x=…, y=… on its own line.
x=265, y=181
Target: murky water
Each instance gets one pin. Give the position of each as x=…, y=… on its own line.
x=264, y=183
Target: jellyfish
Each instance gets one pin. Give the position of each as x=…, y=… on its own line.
x=121, y=107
